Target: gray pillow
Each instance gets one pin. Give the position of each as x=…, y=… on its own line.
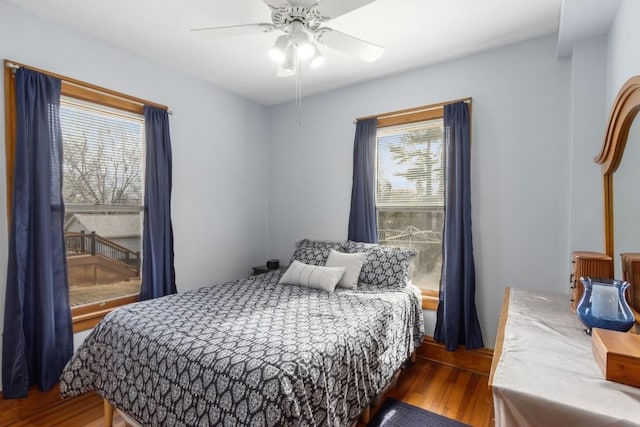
x=385, y=267
x=316, y=252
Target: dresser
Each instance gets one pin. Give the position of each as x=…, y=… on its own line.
x=631, y=274
x=544, y=373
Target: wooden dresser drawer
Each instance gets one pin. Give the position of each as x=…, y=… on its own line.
x=631, y=274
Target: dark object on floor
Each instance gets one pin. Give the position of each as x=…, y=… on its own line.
x=394, y=413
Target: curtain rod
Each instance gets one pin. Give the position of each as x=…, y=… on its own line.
x=412, y=110
x=14, y=66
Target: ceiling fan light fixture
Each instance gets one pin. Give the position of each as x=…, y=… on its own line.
x=305, y=48
x=289, y=63
x=317, y=60
x=303, y=26
x=278, y=53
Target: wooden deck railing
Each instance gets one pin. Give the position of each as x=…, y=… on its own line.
x=93, y=244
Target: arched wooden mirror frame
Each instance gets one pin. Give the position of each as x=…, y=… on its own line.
x=624, y=110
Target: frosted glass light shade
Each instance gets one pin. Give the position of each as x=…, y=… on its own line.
x=317, y=60
x=305, y=51
x=304, y=46
x=278, y=52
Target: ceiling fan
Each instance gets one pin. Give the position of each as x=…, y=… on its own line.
x=301, y=21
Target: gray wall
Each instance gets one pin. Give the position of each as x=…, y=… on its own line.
x=218, y=139
x=537, y=193
x=520, y=157
x=623, y=60
x=587, y=121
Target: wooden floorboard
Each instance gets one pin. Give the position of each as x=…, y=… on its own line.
x=449, y=391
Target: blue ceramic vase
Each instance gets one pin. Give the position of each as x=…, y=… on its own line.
x=603, y=305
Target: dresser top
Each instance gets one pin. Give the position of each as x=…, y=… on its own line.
x=591, y=255
x=546, y=370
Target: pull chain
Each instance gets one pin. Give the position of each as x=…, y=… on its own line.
x=298, y=93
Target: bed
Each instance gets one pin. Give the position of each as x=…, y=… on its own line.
x=252, y=351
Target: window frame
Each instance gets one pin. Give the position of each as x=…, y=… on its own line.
x=430, y=297
x=86, y=316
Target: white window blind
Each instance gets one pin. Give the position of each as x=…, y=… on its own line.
x=103, y=155
x=410, y=165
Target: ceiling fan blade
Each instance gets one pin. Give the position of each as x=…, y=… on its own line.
x=233, y=30
x=276, y=3
x=330, y=9
x=337, y=40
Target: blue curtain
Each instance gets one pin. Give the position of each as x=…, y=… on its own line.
x=457, y=319
x=158, y=273
x=362, y=219
x=38, y=333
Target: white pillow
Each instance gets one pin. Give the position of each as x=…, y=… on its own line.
x=312, y=276
x=351, y=262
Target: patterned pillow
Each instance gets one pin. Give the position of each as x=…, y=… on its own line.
x=385, y=268
x=316, y=252
x=354, y=247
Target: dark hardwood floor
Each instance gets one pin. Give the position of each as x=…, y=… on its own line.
x=452, y=392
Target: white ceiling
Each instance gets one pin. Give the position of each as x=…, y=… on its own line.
x=414, y=32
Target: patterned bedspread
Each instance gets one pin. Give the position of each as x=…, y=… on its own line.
x=248, y=352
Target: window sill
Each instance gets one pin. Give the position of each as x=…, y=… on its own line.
x=430, y=299
x=87, y=316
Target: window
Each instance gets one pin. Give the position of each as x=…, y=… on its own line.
x=410, y=191
x=104, y=158
x=103, y=187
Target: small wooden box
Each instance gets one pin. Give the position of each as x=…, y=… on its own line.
x=618, y=355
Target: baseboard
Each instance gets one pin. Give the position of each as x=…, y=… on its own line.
x=478, y=361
